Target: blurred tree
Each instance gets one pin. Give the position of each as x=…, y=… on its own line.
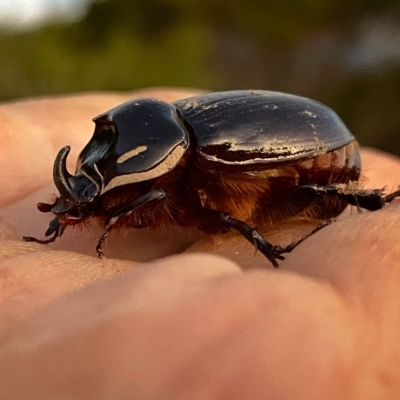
x=344, y=53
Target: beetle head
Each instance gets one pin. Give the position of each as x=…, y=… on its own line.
x=77, y=193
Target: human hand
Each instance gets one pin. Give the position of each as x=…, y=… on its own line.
x=193, y=326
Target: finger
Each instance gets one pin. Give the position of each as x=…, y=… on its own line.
x=35, y=279
x=260, y=335
x=380, y=169
x=32, y=279
x=358, y=256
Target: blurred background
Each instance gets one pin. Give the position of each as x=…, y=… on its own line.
x=344, y=53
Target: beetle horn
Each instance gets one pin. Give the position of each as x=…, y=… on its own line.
x=61, y=175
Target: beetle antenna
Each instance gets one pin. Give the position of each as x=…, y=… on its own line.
x=61, y=174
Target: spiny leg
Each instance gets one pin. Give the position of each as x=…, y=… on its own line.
x=269, y=250
x=368, y=199
x=55, y=228
x=124, y=211
x=390, y=197
x=102, y=238
x=293, y=245
x=218, y=222
x=371, y=200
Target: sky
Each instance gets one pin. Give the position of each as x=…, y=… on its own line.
x=26, y=13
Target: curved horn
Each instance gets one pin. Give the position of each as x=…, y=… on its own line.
x=61, y=175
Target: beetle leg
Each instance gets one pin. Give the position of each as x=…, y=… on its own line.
x=226, y=222
x=124, y=211
x=101, y=240
x=55, y=228
x=371, y=200
x=293, y=245
x=390, y=197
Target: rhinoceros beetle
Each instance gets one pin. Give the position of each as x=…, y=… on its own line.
x=214, y=162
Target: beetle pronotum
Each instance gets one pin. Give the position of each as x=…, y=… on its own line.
x=215, y=162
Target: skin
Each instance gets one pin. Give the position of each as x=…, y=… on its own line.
x=214, y=322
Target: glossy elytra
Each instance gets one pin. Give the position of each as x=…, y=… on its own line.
x=215, y=162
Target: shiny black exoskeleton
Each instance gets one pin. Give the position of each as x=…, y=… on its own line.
x=215, y=162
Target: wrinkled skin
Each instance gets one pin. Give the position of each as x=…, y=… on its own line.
x=326, y=325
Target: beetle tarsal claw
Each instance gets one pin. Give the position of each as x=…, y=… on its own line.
x=390, y=197
x=269, y=250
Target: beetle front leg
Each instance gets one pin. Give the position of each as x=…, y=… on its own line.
x=55, y=228
x=124, y=211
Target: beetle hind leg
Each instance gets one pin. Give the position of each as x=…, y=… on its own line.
x=293, y=245
x=390, y=197
x=371, y=200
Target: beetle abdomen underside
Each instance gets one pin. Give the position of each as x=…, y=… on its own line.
x=339, y=166
x=268, y=195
